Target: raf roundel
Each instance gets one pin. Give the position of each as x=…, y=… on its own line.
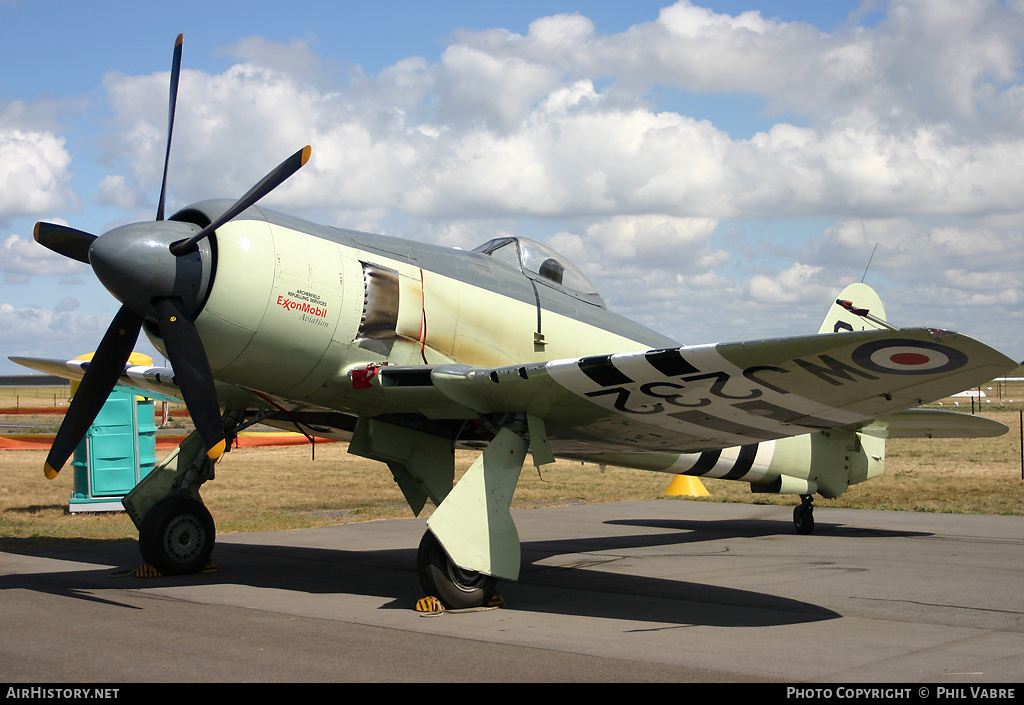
x=908, y=357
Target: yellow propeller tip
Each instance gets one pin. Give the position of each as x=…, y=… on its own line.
x=216, y=451
x=306, y=152
x=49, y=472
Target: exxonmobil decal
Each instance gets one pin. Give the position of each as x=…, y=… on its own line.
x=302, y=306
x=304, y=302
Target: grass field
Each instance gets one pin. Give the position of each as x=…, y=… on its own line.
x=275, y=488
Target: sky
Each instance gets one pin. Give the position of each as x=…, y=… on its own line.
x=720, y=169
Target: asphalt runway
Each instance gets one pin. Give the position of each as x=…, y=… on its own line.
x=641, y=591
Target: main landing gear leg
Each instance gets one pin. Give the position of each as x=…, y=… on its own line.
x=803, y=515
x=471, y=540
x=176, y=531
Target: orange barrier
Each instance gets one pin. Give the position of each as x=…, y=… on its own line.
x=36, y=410
x=33, y=410
x=25, y=441
x=256, y=439
x=40, y=441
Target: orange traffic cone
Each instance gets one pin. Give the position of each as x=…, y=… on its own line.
x=687, y=486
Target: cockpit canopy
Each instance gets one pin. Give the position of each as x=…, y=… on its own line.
x=542, y=264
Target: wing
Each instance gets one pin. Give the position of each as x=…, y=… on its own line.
x=152, y=382
x=160, y=383
x=680, y=400
x=702, y=398
x=144, y=380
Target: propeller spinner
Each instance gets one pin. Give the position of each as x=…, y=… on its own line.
x=157, y=271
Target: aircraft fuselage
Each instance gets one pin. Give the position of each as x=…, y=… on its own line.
x=294, y=307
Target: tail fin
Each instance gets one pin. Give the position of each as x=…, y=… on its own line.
x=856, y=308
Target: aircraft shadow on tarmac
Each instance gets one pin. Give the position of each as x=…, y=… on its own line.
x=576, y=589
x=707, y=530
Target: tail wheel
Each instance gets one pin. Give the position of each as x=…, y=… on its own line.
x=177, y=535
x=803, y=516
x=455, y=587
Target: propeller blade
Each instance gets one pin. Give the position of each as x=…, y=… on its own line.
x=64, y=240
x=171, y=103
x=100, y=378
x=192, y=372
x=270, y=182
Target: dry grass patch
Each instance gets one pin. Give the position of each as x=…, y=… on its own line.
x=283, y=487
x=41, y=396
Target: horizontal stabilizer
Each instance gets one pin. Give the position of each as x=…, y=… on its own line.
x=939, y=423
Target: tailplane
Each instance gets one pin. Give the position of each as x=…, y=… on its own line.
x=856, y=308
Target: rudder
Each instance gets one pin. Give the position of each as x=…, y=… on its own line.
x=861, y=298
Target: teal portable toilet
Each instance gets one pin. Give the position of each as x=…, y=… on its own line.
x=118, y=450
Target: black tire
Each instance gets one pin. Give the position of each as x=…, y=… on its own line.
x=177, y=535
x=803, y=519
x=454, y=587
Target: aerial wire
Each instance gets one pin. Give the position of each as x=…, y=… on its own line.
x=869, y=263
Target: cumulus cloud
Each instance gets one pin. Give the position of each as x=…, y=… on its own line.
x=513, y=129
x=683, y=244
x=115, y=191
x=920, y=250
x=297, y=58
x=37, y=331
x=34, y=173
x=786, y=287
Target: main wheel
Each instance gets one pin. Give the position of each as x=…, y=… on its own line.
x=177, y=535
x=454, y=587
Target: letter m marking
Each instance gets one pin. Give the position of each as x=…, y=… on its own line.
x=833, y=370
